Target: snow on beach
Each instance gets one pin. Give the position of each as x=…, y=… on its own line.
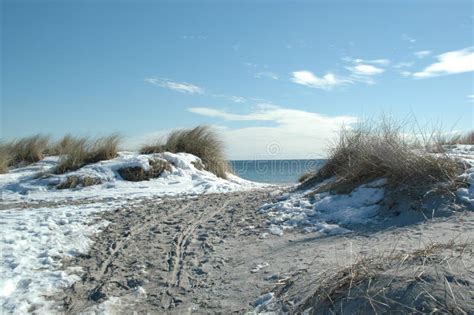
x=41, y=224
x=330, y=214
x=324, y=213
x=467, y=153
x=24, y=184
x=59, y=223
x=32, y=243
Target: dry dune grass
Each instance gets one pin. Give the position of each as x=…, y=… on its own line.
x=77, y=181
x=382, y=149
x=61, y=146
x=5, y=160
x=435, y=278
x=136, y=173
x=200, y=141
x=32, y=149
x=467, y=138
x=26, y=150
x=77, y=152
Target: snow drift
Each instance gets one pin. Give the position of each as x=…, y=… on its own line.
x=41, y=225
x=330, y=213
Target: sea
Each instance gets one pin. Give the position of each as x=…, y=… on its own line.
x=274, y=171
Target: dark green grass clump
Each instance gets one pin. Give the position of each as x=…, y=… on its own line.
x=201, y=141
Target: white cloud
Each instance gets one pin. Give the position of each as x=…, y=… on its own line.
x=471, y=98
x=250, y=65
x=266, y=74
x=181, y=87
x=363, y=69
x=199, y=37
x=452, y=62
x=233, y=98
x=237, y=99
x=328, y=81
x=380, y=62
x=211, y=112
x=293, y=134
x=422, y=53
x=189, y=88
x=403, y=64
x=408, y=38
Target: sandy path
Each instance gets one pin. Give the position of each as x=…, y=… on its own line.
x=168, y=248
x=211, y=254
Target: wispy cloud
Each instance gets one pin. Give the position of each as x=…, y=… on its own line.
x=266, y=74
x=191, y=37
x=408, y=38
x=452, y=62
x=216, y=113
x=250, y=65
x=182, y=87
x=261, y=71
x=360, y=70
x=233, y=98
x=363, y=69
x=381, y=62
x=293, y=134
x=422, y=53
x=404, y=64
x=326, y=82
x=188, y=88
x=471, y=98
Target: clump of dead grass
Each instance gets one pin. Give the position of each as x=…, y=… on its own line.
x=26, y=150
x=307, y=175
x=201, y=141
x=137, y=173
x=5, y=159
x=78, y=152
x=63, y=145
x=383, y=149
x=156, y=147
x=397, y=282
x=459, y=138
x=78, y=181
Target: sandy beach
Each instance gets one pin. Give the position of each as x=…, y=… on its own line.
x=213, y=254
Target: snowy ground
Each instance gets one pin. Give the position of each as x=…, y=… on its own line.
x=466, y=152
x=24, y=184
x=40, y=224
x=330, y=214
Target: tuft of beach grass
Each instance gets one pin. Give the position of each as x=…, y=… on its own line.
x=383, y=149
x=201, y=141
x=82, y=151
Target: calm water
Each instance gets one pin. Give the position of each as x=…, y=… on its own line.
x=274, y=171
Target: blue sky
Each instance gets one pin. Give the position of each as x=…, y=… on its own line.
x=276, y=78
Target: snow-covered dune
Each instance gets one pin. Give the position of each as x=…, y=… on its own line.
x=40, y=224
x=330, y=214
x=25, y=184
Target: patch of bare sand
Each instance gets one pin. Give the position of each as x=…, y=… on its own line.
x=213, y=254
